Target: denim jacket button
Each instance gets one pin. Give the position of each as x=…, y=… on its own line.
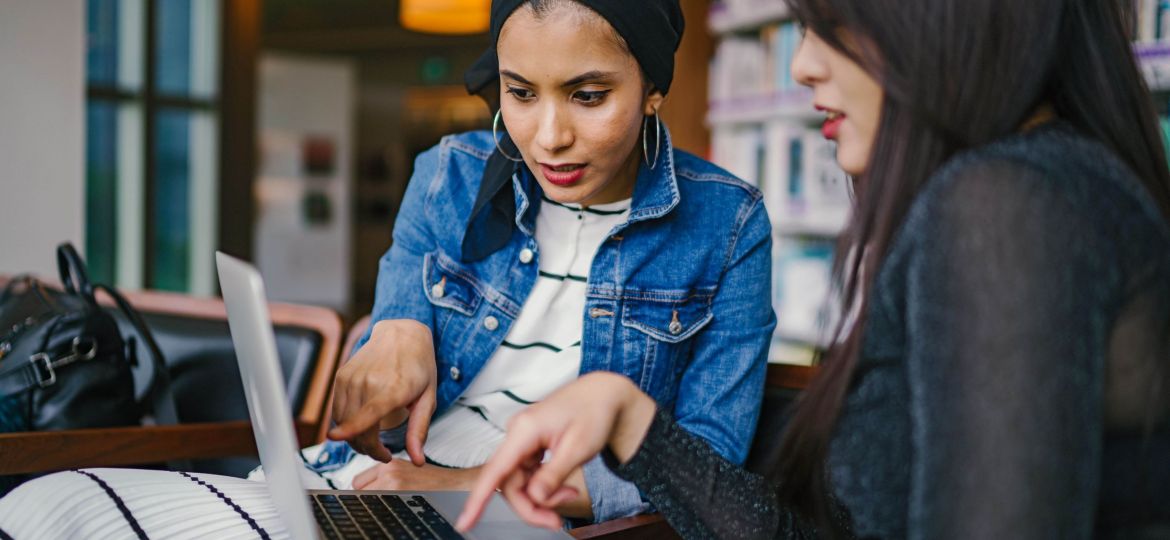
x=455, y=373
x=598, y=313
x=675, y=328
x=526, y=255
x=438, y=290
x=491, y=323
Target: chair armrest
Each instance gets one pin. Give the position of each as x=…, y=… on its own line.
x=45, y=451
x=649, y=527
x=790, y=377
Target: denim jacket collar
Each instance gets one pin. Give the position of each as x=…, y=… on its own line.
x=656, y=190
x=498, y=211
x=491, y=223
x=527, y=194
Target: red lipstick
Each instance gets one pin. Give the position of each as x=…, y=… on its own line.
x=563, y=175
x=832, y=126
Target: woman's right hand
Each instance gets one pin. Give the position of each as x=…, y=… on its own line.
x=390, y=377
x=572, y=425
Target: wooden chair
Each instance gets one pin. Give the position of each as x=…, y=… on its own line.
x=781, y=388
x=316, y=335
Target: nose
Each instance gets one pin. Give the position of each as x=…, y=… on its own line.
x=808, y=68
x=554, y=133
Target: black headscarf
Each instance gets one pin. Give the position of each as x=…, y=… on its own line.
x=653, y=30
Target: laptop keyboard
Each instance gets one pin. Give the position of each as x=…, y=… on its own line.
x=380, y=516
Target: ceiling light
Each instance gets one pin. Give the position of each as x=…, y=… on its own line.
x=445, y=16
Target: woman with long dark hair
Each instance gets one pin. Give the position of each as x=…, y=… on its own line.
x=1003, y=368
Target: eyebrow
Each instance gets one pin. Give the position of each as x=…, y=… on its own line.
x=589, y=76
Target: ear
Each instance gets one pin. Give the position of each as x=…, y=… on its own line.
x=653, y=102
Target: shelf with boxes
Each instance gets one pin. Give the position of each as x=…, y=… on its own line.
x=1154, y=59
x=744, y=15
x=764, y=130
x=794, y=104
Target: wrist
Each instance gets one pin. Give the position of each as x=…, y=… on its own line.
x=634, y=416
x=398, y=329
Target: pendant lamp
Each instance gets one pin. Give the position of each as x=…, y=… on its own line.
x=445, y=16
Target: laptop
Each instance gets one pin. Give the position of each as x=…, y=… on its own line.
x=328, y=514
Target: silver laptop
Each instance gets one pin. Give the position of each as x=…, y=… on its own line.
x=331, y=513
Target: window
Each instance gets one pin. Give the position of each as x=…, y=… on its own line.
x=151, y=142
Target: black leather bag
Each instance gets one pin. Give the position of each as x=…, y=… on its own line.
x=64, y=364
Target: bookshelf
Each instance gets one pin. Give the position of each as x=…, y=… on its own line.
x=794, y=104
x=725, y=18
x=1151, y=27
x=764, y=129
x=1154, y=59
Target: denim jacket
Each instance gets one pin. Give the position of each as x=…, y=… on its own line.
x=678, y=299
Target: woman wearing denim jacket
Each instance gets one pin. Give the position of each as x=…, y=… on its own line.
x=677, y=255
x=677, y=297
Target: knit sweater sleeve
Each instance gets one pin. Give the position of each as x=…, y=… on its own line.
x=701, y=494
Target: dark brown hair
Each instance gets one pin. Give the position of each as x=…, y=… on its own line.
x=956, y=74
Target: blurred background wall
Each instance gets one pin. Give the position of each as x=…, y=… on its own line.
x=42, y=195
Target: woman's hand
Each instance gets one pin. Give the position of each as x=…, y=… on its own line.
x=392, y=376
x=573, y=425
x=399, y=475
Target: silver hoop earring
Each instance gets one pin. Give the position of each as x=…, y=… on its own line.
x=657, y=140
x=496, y=137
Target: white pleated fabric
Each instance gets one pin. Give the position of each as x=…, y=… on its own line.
x=162, y=504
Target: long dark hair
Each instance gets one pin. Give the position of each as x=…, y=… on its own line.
x=956, y=74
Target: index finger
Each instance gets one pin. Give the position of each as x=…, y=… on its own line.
x=516, y=448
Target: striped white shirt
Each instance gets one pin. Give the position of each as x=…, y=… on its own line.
x=542, y=351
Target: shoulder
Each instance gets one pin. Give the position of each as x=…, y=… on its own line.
x=473, y=144
x=1050, y=171
x=1055, y=162
x=454, y=166
x=699, y=174
x=472, y=148
x=1053, y=191
x=445, y=183
x=708, y=189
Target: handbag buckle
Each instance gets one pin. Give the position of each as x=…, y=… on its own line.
x=77, y=355
x=45, y=367
x=42, y=366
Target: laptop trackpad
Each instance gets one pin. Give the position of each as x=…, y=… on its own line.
x=498, y=521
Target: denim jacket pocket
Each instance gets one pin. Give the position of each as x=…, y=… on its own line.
x=672, y=320
x=667, y=323
x=448, y=285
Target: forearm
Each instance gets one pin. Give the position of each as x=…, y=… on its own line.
x=701, y=494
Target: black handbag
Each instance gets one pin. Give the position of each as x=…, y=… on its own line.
x=64, y=363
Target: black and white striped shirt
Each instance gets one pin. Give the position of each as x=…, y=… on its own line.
x=542, y=351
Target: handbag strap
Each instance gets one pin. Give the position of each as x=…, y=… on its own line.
x=73, y=275
x=26, y=376
x=17, y=281
x=40, y=371
x=158, y=392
